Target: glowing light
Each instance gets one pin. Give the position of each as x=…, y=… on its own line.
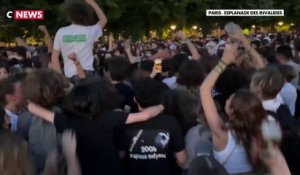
x=195, y=27
x=253, y=26
x=173, y=27
x=280, y=23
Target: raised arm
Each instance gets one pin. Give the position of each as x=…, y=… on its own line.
x=256, y=57
x=55, y=64
x=195, y=54
x=213, y=118
x=48, y=40
x=79, y=68
x=110, y=42
x=275, y=161
x=101, y=16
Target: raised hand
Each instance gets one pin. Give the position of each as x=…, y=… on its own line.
x=127, y=46
x=89, y=1
x=73, y=57
x=238, y=35
x=42, y=28
x=69, y=144
x=230, y=53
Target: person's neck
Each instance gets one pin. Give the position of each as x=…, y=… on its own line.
x=283, y=61
x=12, y=108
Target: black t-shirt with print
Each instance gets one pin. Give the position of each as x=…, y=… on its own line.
x=96, y=150
x=151, y=146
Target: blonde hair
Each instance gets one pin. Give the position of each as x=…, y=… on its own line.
x=269, y=80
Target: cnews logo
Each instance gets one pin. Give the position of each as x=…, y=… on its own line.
x=25, y=14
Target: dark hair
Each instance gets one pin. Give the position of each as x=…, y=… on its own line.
x=287, y=71
x=285, y=51
x=208, y=62
x=92, y=98
x=2, y=116
x=268, y=53
x=191, y=74
x=48, y=87
x=297, y=45
x=187, y=107
x=230, y=81
x=4, y=65
x=147, y=65
x=118, y=68
x=21, y=51
x=78, y=12
x=165, y=65
x=149, y=92
x=177, y=61
x=256, y=42
x=269, y=80
x=7, y=87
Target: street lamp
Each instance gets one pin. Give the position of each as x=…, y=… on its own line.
x=253, y=26
x=280, y=23
x=195, y=27
x=173, y=27
x=292, y=24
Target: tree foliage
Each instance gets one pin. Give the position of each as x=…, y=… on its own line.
x=137, y=17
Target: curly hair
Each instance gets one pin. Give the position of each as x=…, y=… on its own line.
x=44, y=87
x=78, y=13
x=92, y=98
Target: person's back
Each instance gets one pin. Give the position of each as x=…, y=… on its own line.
x=284, y=56
x=151, y=146
x=289, y=96
x=79, y=39
x=156, y=144
x=288, y=91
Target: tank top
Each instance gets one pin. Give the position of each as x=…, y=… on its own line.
x=234, y=157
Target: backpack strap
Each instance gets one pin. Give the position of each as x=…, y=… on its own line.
x=273, y=114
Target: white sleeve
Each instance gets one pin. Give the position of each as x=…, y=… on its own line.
x=95, y=31
x=57, y=41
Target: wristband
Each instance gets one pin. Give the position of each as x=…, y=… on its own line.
x=221, y=61
x=222, y=66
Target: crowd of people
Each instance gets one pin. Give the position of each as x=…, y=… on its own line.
x=195, y=106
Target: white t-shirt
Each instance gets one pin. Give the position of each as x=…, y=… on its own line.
x=289, y=96
x=272, y=105
x=296, y=66
x=80, y=40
